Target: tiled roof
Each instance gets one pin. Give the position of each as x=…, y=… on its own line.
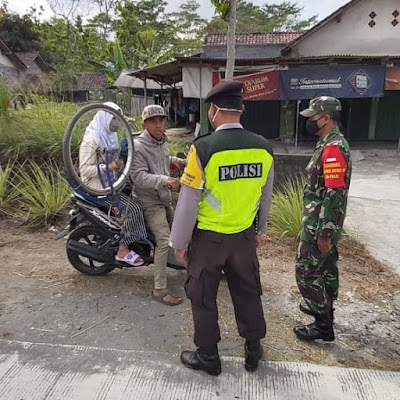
x=91, y=81
x=27, y=57
x=254, y=38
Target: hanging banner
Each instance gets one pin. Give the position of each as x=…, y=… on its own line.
x=342, y=81
x=392, y=80
x=260, y=86
x=196, y=81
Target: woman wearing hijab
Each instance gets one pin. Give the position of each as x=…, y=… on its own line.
x=100, y=143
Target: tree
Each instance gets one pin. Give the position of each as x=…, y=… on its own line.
x=268, y=18
x=111, y=69
x=103, y=22
x=285, y=17
x=71, y=52
x=189, y=28
x=150, y=51
x=18, y=32
x=143, y=17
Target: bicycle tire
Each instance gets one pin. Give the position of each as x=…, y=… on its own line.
x=69, y=164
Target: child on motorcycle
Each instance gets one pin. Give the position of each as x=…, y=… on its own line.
x=99, y=144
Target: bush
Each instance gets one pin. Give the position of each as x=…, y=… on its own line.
x=42, y=194
x=286, y=208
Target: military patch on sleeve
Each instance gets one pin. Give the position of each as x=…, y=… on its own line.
x=334, y=166
x=193, y=173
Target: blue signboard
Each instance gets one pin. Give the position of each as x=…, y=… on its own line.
x=342, y=81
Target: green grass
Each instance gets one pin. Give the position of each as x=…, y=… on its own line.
x=176, y=146
x=42, y=194
x=7, y=192
x=36, y=133
x=4, y=100
x=286, y=208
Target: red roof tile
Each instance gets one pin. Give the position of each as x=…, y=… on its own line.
x=254, y=38
x=91, y=81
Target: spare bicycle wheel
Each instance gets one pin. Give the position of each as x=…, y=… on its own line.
x=97, y=139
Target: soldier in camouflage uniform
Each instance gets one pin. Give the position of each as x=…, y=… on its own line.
x=325, y=200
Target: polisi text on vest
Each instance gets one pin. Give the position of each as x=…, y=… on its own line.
x=231, y=172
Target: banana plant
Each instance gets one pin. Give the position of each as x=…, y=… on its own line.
x=148, y=52
x=111, y=70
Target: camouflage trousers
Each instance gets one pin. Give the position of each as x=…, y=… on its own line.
x=317, y=276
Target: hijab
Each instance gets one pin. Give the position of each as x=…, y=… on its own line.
x=99, y=129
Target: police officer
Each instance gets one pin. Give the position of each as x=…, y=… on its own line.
x=325, y=198
x=222, y=211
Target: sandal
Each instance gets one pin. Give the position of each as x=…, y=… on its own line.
x=131, y=258
x=160, y=298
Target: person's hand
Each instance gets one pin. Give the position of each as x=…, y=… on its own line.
x=258, y=240
x=173, y=183
x=120, y=163
x=183, y=161
x=324, y=244
x=180, y=256
x=115, y=164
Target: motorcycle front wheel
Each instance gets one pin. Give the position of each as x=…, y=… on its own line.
x=91, y=239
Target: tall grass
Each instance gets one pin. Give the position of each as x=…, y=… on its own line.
x=36, y=133
x=286, y=208
x=42, y=194
x=7, y=192
x=4, y=99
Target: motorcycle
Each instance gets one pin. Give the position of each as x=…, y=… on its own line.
x=94, y=235
x=93, y=232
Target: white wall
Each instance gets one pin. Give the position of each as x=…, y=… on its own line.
x=353, y=36
x=5, y=61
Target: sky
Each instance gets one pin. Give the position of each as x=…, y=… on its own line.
x=311, y=7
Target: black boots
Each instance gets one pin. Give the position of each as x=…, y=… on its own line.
x=322, y=328
x=253, y=353
x=202, y=360
x=207, y=359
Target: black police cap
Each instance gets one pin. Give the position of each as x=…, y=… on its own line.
x=225, y=89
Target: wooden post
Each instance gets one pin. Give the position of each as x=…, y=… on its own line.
x=145, y=91
x=373, y=118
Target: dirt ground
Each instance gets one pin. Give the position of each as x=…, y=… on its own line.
x=43, y=299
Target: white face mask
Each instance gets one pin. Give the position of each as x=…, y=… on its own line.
x=218, y=110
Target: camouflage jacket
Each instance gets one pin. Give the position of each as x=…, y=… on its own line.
x=327, y=186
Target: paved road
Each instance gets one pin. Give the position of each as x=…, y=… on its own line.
x=374, y=206
x=59, y=372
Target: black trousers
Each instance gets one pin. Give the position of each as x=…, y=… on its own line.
x=209, y=253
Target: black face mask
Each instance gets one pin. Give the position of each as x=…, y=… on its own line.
x=312, y=126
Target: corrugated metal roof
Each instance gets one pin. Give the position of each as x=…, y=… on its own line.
x=132, y=82
x=254, y=38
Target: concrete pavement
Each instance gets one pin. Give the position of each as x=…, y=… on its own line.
x=32, y=371
x=373, y=213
